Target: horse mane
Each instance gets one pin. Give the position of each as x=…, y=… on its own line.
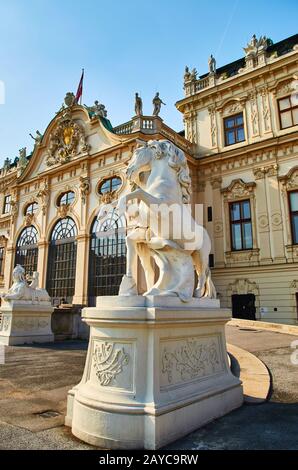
x=178, y=162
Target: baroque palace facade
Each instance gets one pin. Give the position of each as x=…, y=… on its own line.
x=243, y=118
x=241, y=142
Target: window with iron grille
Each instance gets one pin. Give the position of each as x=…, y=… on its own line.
x=7, y=204
x=288, y=111
x=27, y=250
x=62, y=259
x=293, y=199
x=240, y=225
x=2, y=251
x=234, y=129
x=107, y=256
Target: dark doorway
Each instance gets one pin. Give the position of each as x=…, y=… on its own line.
x=243, y=306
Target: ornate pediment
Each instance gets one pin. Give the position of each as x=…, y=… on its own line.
x=67, y=140
x=238, y=189
x=290, y=181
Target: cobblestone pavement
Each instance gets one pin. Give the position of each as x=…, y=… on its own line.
x=34, y=382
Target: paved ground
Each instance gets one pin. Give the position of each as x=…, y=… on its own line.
x=34, y=382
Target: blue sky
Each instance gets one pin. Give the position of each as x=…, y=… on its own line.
x=125, y=46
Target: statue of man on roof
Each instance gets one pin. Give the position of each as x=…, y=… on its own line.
x=138, y=105
x=157, y=102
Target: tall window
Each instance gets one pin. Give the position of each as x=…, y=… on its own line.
x=107, y=256
x=62, y=261
x=241, y=227
x=27, y=250
x=7, y=204
x=234, y=129
x=2, y=250
x=288, y=112
x=293, y=198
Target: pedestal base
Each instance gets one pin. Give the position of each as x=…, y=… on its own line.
x=156, y=369
x=23, y=322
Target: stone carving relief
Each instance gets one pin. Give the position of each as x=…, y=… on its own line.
x=66, y=141
x=263, y=221
x=284, y=88
x=266, y=112
x=276, y=219
x=44, y=195
x=232, y=108
x=254, y=114
x=29, y=324
x=109, y=361
x=238, y=189
x=290, y=181
x=84, y=188
x=28, y=219
x=260, y=172
x=242, y=287
x=189, y=359
x=213, y=126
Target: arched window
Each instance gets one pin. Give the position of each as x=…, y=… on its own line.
x=110, y=185
x=62, y=259
x=66, y=198
x=27, y=250
x=31, y=208
x=107, y=256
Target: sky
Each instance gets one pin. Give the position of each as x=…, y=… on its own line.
x=125, y=46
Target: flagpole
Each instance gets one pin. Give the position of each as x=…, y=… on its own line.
x=83, y=72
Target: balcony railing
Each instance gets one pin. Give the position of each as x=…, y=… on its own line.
x=153, y=125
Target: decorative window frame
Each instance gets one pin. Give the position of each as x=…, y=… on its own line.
x=238, y=191
x=228, y=109
x=288, y=183
x=282, y=89
x=110, y=196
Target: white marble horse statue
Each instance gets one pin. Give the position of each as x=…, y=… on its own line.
x=21, y=291
x=165, y=230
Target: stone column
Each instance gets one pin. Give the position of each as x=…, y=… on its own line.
x=9, y=260
x=262, y=217
x=81, y=286
x=42, y=263
x=275, y=211
x=217, y=221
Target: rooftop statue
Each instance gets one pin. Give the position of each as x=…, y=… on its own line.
x=21, y=291
x=38, y=137
x=98, y=110
x=157, y=102
x=138, y=105
x=212, y=64
x=7, y=163
x=23, y=161
x=186, y=74
x=176, y=247
x=255, y=45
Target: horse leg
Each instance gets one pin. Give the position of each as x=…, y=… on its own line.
x=128, y=284
x=205, y=286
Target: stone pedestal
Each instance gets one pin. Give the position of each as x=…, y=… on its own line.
x=24, y=322
x=156, y=369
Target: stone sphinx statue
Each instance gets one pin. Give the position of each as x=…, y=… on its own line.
x=20, y=290
x=165, y=232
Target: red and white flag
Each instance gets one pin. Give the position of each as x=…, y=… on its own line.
x=80, y=88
